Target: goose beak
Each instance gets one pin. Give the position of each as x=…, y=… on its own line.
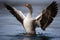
x=27, y=5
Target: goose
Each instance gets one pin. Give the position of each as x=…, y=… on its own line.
x=43, y=20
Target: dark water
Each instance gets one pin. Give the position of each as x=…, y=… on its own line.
x=11, y=29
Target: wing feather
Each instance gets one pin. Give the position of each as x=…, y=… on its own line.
x=18, y=14
x=48, y=15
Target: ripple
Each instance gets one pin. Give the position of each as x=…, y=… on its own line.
x=22, y=36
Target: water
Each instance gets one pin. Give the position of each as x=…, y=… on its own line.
x=11, y=29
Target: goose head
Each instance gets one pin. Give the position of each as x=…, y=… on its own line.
x=29, y=7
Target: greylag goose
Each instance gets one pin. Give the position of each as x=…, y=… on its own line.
x=42, y=20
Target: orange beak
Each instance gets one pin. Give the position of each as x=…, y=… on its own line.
x=26, y=4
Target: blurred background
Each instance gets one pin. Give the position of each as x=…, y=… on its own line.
x=10, y=26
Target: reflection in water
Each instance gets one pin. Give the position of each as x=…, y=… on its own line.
x=39, y=38
x=44, y=38
x=24, y=37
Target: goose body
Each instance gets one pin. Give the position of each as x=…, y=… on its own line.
x=28, y=25
x=42, y=20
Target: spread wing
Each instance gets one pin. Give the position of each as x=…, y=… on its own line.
x=18, y=14
x=47, y=15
